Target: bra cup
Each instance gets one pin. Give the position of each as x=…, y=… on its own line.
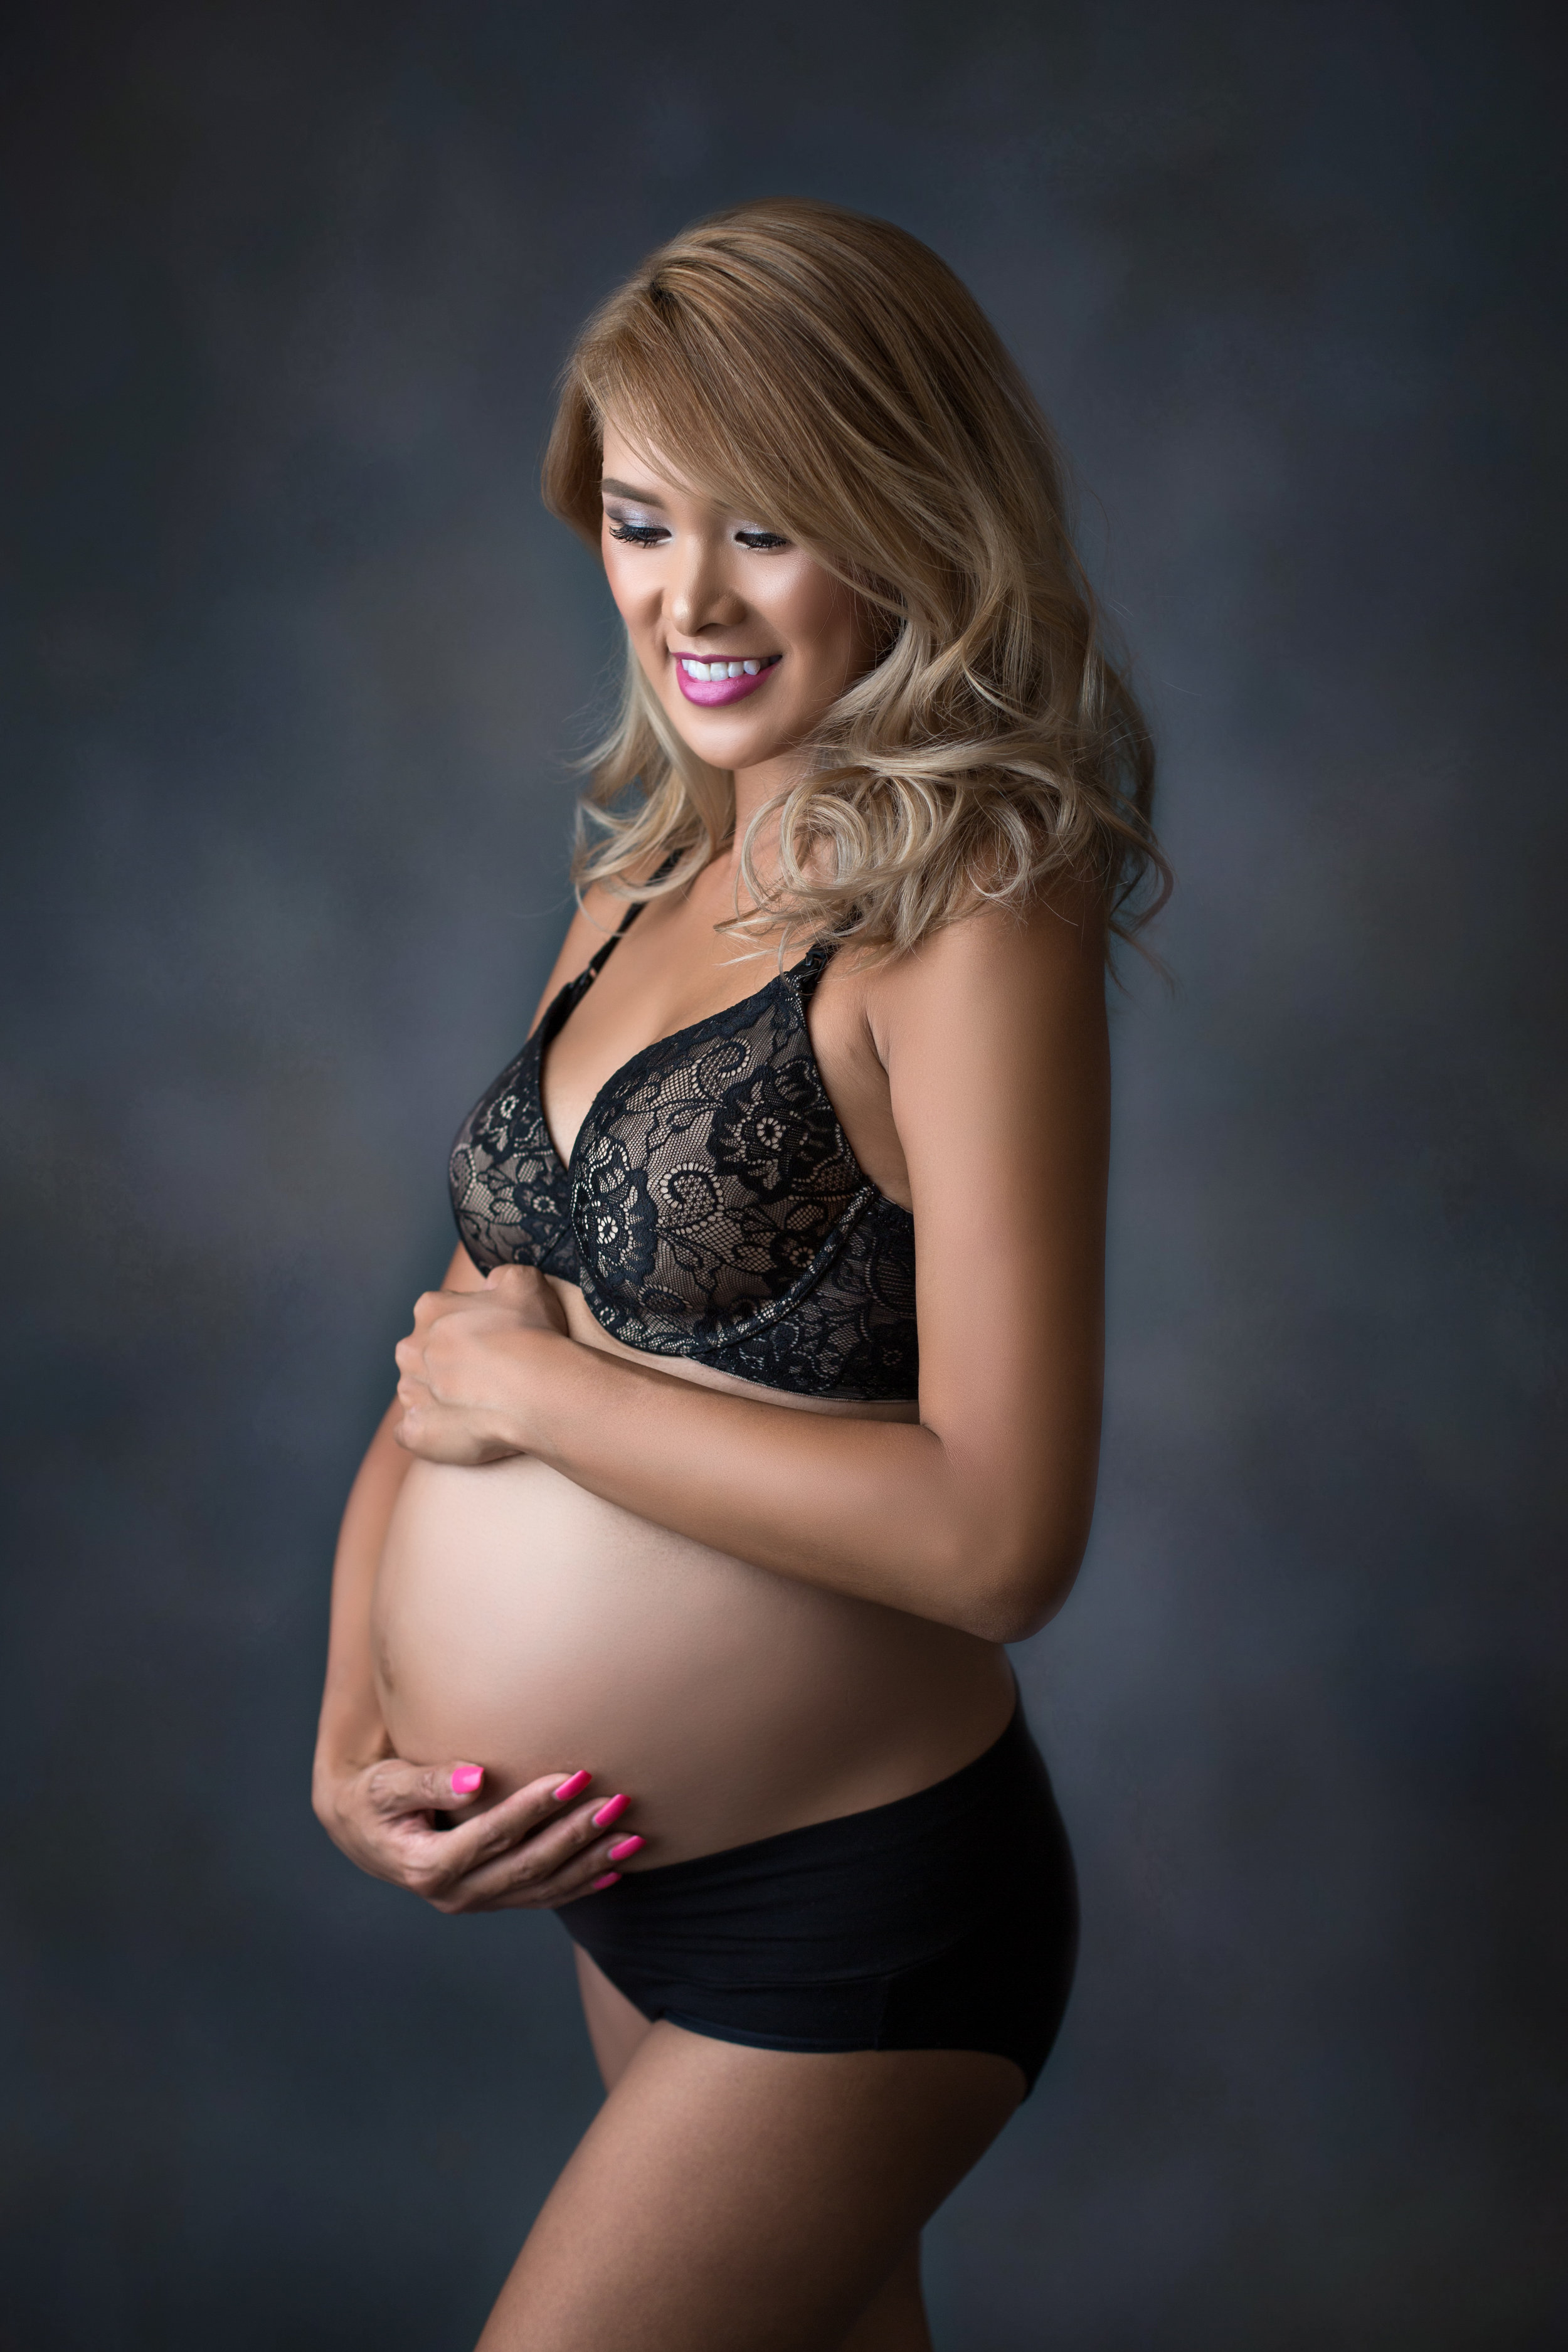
x=510, y=1196
x=649, y=1296
x=713, y=1209
x=713, y=1189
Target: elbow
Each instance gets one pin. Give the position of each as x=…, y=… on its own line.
x=1008, y=1548
x=1015, y=1591
x=1014, y=1616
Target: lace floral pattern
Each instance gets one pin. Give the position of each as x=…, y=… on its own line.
x=713, y=1208
x=510, y=1196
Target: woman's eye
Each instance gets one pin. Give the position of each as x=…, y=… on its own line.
x=763, y=539
x=638, y=534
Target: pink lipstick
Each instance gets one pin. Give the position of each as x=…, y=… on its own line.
x=723, y=681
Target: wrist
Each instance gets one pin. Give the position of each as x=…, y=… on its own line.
x=341, y=1757
x=544, y=1360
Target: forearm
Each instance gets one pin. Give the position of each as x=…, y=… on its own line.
x=351, y=1732
x=887, y=1511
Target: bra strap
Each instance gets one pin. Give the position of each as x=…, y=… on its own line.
x=811, y=966
x=595, y=962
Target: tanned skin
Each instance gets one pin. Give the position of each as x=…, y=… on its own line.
x=726, y=2196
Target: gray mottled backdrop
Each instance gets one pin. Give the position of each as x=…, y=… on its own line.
x=298, y=664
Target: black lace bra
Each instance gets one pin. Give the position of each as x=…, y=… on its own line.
x=712, y=1208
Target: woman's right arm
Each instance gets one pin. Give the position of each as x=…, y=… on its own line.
x=528, y=1852
x=351, y=1734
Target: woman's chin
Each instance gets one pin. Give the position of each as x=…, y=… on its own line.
x=722, y=742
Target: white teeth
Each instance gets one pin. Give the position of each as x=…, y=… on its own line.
x=705, y=672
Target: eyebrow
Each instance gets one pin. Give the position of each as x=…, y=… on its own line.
x=629, y=490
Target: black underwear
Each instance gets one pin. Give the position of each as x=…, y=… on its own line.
x=947, y=1920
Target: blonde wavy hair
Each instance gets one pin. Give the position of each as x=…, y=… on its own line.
x=828, y=374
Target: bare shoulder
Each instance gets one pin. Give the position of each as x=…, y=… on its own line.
x=993, y=971
x=995, y=1040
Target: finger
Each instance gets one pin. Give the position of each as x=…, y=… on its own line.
x=440, y=1867
x=396, y=1788
x=524, y=1291
x=523, y=1280
x=431, y=1305
x=537, y=1853
x=536, y=1862
x=600, y=1864
x=542, y=1806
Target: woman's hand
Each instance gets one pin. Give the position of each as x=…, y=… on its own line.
x=464, y=1369
x=533, y=1851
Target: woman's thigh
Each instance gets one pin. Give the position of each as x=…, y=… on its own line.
x=730, y=2200
x=894, y=2320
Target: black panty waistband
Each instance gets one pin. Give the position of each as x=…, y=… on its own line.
x=861, y=1893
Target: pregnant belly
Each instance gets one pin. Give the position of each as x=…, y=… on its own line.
x=523, y=1624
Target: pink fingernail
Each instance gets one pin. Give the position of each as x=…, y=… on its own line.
x=574, y=1787
x=626, y=1848
x=467, y=1779
x=610, y=1811
x=608, y=1879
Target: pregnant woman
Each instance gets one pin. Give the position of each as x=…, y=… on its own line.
x=760, y=1408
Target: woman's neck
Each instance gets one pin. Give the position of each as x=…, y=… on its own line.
x=754, y=788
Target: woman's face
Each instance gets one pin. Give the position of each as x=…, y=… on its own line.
x=744, y=637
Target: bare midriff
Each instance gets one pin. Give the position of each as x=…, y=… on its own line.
x=526, y=1625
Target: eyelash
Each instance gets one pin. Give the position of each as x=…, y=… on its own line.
x=649, y=534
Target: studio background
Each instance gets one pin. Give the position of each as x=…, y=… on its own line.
x=298, y=667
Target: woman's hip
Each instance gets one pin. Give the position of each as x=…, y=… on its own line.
x=945, y=1919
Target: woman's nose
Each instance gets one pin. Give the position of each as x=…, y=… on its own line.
x=700, y=596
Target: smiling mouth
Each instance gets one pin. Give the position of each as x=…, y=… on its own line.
x=710, y=682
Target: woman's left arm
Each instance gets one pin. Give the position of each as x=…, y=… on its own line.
x=994, y=1038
